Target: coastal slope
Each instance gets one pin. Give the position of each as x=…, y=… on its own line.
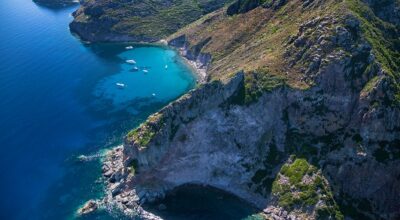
x=140, y=21
x=299, y=115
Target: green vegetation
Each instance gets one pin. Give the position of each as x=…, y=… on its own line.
x=260, y=81
x=163, y=23
x=146, y=131
x=380, y=34
x=147, y=19
x=296, y=171
x=300, y=185
x=255, y=39
x=141, y=136
x=371, y=84
x=383, y=37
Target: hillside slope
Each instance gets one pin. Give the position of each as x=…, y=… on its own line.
x=300, y=115
x=137, y=20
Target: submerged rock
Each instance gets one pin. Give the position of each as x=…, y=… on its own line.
x=89, y=207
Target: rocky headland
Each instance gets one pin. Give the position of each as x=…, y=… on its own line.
x=139, y=21
x=56, y=3
x=299, y=113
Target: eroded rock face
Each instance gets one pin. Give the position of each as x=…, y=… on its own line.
x=226, y=145
x=346, y=124
x=207, y=138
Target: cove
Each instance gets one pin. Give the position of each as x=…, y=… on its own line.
x=59, y=100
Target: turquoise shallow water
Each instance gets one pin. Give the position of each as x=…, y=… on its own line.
x=59, y=99
x=158, y=75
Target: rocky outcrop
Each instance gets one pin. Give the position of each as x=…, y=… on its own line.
x=89, y=207
x=131, y=172
x=118, y=194
x=303, y=192
x=174, y=117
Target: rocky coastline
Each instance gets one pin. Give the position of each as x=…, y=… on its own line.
x=127, y=189
x=339, y=136
x=192, y=55
x=177, y=154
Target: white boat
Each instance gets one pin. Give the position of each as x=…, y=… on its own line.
x=166, y=66
x=129, y=47
x=145, y=71
x=131, y=61
x=134, y=69
x=153, y=94
x=120, y=85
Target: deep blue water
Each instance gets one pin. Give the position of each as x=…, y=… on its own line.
x=194, y=202
x=59, y=99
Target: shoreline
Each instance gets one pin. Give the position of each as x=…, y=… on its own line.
x=120, y=195
x=199, y=73
x=125, y=194
x=118, y=191
x=196, y=66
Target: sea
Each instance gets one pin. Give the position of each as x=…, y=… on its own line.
x=62, y=100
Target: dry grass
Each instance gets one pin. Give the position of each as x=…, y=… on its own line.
x=254, y=40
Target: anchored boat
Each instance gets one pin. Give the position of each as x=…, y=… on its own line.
x=120, y=85
x=131, y=61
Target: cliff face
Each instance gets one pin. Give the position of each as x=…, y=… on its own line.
x=309, y=129
x=139, y=21
x=240, y=148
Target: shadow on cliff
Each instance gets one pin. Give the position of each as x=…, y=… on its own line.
x=195, y=202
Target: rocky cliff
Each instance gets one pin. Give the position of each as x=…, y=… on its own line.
x=300, y=114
